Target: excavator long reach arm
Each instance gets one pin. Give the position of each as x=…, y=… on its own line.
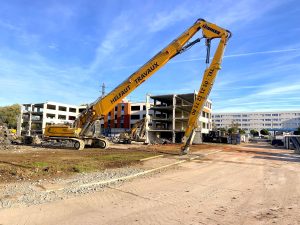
x=203, y=93
x=85, y=123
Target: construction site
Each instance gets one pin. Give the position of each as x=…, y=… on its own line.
x=167, y=159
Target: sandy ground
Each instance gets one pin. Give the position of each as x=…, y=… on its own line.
x=253, y=184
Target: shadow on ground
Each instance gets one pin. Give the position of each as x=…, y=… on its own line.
x=264, y=146
x=287, y=158
x=267, y=155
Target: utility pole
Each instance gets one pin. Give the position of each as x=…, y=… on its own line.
x=103, y=90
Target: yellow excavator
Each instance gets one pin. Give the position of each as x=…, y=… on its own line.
x=86, y=129
x=137, y=133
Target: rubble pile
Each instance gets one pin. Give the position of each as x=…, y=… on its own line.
x=4, y=135
x=154, y=140
x=7, y=138
x=32, y=140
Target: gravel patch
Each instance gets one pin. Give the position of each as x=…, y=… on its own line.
x=43, y=191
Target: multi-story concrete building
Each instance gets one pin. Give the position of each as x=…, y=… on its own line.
x=272, y=121
x=119, y=117
x=170, y=114
x=123, y=117
x=137, y=112
x=35, y=117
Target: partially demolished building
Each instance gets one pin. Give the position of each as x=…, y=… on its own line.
x=169, y=115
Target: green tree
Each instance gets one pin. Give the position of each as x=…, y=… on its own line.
x=297, y=132
x=223, y=129
x=264, y=132
x=241, y=131
x=9, y=115
x=233, y=129
x=254, y=132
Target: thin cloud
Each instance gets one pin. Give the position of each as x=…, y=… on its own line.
x=225, y=56
x=112, y=40
x=243, y=11
x=284, y=89
x=242, y=54
x=266, y=96
x=166, y=19
x=262, y=52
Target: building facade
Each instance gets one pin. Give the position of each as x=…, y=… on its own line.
x=119, y=117
x=137, y=112
x=125, y=115
x=272, y=121
x=35, y=117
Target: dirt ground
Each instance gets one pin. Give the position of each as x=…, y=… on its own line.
x=247, y=184
x=34, y=163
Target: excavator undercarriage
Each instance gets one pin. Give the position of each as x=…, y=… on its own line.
x=67, y=137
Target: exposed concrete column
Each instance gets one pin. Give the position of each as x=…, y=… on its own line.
x=173, y=119
x=56, y=111
x=19, y=121
x=154, y=115
x=182, y=115
x=44, y=117
x=147, y=118
x=30, y=118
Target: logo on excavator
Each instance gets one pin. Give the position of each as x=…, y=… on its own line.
x=211, y=29
x=146, y=73
x=210, y=73
x=121, y=93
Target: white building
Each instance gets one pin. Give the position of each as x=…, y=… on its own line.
x=137, y=112
x=272, y=121
x=35, y=117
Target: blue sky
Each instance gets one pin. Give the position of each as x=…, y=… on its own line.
x=64, y=50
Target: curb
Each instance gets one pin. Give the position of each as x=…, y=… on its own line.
x=135, y=175
x=152, y=157
x=121, y=178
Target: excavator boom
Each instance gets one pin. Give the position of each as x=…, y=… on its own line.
x=107, y=103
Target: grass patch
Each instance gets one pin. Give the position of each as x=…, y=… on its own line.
x=81, y=168
x=39, y=164
x=135, y=156
x=59, y=163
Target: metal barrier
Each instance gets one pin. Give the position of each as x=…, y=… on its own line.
x=292, y=142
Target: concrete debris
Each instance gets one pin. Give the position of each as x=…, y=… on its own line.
x=32, y=140
x=7, y=138
x=4, y=135
x=153, y=139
